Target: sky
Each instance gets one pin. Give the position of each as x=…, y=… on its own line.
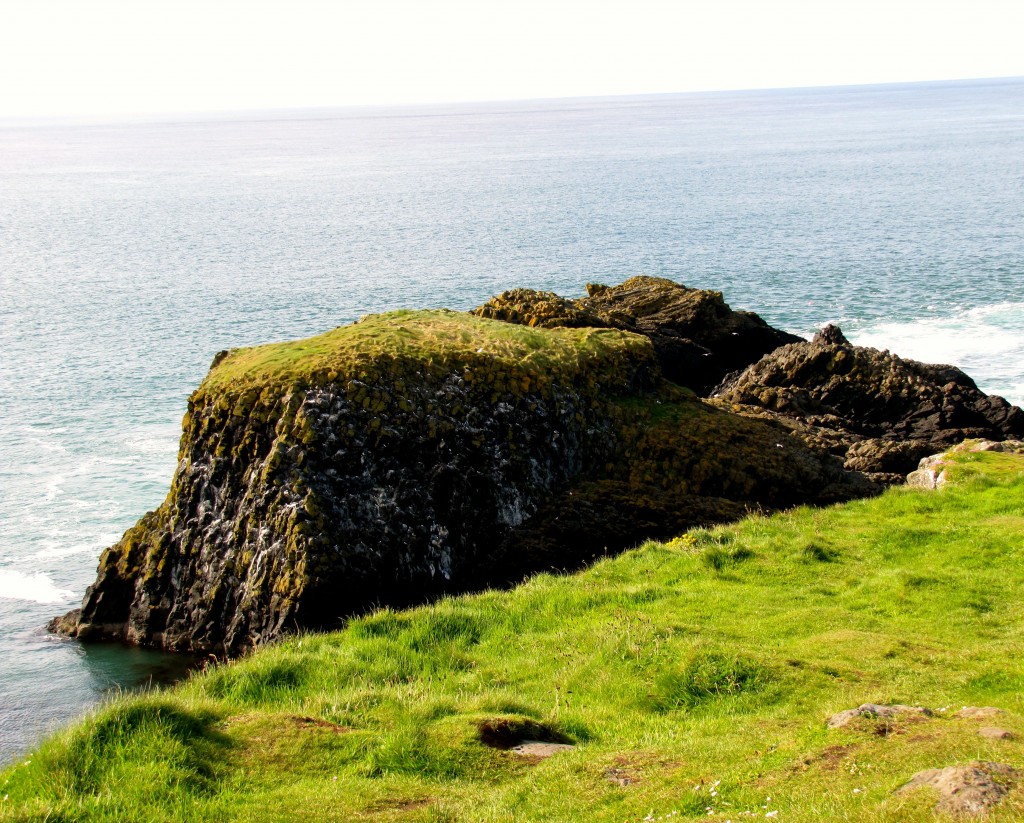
x=100, y=57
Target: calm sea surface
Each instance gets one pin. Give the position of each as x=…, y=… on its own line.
x=131, y=253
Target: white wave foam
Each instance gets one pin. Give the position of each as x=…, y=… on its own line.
x=985, y=342
x=46, y=439
x=36, y=587
x=161, y=446
x=153, y=439
x=52, y=487
x=59, y=549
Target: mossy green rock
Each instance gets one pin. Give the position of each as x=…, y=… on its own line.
x=697, y=337
x=415, y=453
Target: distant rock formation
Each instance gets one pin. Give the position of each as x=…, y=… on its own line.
x=416, y=453
x=881, y=413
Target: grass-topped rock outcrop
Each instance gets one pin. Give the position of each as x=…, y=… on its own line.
x=415, y=453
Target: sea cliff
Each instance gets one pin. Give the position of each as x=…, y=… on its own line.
x=417, y=453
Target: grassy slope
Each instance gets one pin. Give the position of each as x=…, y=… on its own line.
x=703, y=669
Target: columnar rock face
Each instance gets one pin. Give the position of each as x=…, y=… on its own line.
x=881, y=413
x=420, y=452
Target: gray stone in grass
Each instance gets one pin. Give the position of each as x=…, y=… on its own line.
x=927, y=478
x=970, y=789
x=877, y=710
x=977, y=712
x=995, y=733
x=540, y=750
x=620, y=777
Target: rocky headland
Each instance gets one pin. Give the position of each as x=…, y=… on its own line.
x=880, y=413
x=417, y=453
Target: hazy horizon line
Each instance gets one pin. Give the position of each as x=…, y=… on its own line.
x=141, y=117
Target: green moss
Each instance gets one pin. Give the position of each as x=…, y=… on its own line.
x=385, y=348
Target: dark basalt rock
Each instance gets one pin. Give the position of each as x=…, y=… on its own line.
x=417, y=453
x=831, y=335
x=881, y=412
x=697, y=337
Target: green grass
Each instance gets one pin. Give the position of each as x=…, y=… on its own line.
x=424, y=339
x=702, y=670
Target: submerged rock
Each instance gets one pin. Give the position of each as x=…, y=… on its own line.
x=416, y=453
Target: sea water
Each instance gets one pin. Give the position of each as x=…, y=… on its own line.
x=130, y=253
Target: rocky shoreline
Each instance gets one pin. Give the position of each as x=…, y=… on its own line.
x=419, y=453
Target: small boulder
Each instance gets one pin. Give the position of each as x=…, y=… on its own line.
x=970, y=789
x=928, y=479
x=540, y=750
x=977, y=712
x=995, y=733
x=831, y=335
x=877, y=711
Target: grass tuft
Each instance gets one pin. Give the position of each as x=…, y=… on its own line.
x=818, y=553
x=708, y=676
x=721, y=559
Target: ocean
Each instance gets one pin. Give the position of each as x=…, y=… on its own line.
x=131, y=252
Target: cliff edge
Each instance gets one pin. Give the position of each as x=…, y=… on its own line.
x=415, y=453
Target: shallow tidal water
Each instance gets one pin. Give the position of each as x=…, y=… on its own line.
x=131, y=252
